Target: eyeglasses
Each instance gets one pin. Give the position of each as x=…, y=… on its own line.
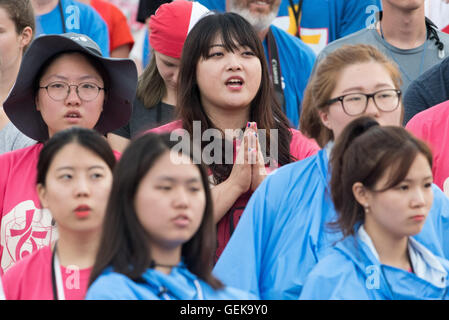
x=354, y=104
x=86, y=91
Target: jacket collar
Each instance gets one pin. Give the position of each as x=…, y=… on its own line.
x=392, y=282
x=180, y=284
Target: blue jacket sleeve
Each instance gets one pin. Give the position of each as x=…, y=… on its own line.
x=115, y=286
x=435, y=233
x=276, y=241
x=334, y=278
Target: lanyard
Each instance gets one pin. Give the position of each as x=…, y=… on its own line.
x=56, y=277
x=273, y=57
x=297, y=15
x=61, y=12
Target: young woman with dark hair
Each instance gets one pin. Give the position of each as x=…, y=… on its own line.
x=74, y=177
x=381, y=186
x=158, y=237
x=224, y=86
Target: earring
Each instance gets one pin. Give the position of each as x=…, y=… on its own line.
x=366, y=208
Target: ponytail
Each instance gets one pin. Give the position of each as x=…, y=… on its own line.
x=365, y=152
x=341, y=187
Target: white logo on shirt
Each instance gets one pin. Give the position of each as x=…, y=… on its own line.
x=24, y=230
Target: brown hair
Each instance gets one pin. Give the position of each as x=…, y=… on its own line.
x=265, y=110
x=363, y=153
x=151, y=87
x=323, y=82
x=21, y=13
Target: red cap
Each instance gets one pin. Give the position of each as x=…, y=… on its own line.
x=171, y=23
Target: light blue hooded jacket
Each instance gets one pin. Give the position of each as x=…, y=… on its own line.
x=283, y=232
x=180, y=284
x=353, y=271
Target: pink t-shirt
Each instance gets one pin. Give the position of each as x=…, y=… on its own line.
x=300, y=147
x=24, y=226
x=30, y=279
x=432, y=126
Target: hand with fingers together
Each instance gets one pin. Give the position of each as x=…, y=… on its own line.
x=241, y=170
x=258, y=170
x=248, y=171
x=249, y=157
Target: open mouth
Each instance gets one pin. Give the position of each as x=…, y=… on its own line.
x=72, y=115
x=234, y=82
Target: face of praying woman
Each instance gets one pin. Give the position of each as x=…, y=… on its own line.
x=73, y=69
x=76, y=189
x=368, y=77
x=228, y=80
x=170, y=201
x=401, y=210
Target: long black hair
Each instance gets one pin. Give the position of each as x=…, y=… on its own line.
x=124, y=243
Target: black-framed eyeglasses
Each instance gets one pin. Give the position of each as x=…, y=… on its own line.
x=354, y=104
x=59, y=90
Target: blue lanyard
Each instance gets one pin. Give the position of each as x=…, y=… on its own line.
x=397, y=62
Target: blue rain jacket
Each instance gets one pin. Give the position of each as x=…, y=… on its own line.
x=180, y=284
x=353, y=272
x=283, y=231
